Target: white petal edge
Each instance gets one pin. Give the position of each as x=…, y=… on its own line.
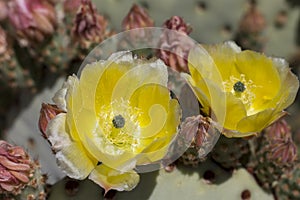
x=60, y=96
x=71, y=157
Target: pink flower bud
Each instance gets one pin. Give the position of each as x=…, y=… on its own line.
x=33, y=20
x=90, y=27
x=15, y=168
x=174, y=50
x=137, y=18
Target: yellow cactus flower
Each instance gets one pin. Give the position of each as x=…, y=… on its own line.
x=118, y=115
x=244, y=90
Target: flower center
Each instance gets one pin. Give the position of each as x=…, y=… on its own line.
x=118, y=121
x=242, y=88
x=239, y=87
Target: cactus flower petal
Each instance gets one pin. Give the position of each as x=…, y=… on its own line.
x=71, y=156
x=109, y=178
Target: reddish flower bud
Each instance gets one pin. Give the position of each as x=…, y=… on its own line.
x=47, y=113
x=174, y=48
x=283, y=151
x=15, y=168
x=200, y=132
x=90, y=27
x=278, y=130
x=33, y=20
x=137, y=18
x=178, y=24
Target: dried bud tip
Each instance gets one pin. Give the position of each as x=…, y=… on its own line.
x=47, y=113
x=137, y=18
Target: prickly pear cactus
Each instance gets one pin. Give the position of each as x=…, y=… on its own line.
x=231, y=152
x=207, y=181
x=288, y=185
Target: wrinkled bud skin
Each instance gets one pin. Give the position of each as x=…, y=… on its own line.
x=33, y=20
x=15, y=168
x=47, y=113
x=284, y=151
x=174, y=50
x=282, y=148
x=137, y=18
x=89, y=26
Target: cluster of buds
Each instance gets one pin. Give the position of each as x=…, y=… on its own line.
x=33, y=20
x=89, y=26
x=251, y=28
x=174, y=47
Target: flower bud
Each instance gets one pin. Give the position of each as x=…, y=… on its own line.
x=47, y=113
x=278, y=130
x=198, y=131
x=15, y=168
x=251, y=28
x=174, y=50
x=178, y=24
x=90, y=27
x=282, y=148
x=283, y=151
x=34, y=20
x=137, y=18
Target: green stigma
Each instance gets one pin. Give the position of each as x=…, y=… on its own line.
x=239, y=87
x=118, y=121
